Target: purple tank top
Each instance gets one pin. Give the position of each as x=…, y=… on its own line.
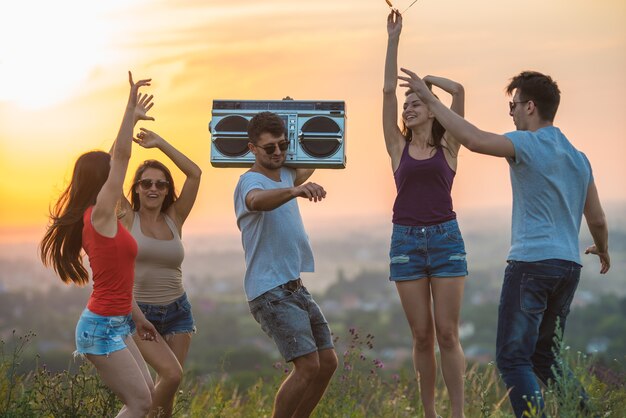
x=424, y=188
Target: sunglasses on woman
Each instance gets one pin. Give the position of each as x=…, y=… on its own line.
x=147, y=184
x=282, y=146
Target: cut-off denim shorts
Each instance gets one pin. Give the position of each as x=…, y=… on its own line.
x=170, y=319
x=293, y=320
x=101, y=335
x=427, y=251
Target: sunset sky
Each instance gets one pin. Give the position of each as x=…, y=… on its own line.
x=63, y=88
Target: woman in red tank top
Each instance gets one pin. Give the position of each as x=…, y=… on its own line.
x=427, y=255
x=85, y=217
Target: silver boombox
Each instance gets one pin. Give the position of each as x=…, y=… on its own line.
x=315, y=129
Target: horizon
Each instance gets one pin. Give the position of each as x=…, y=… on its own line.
x=62, y=94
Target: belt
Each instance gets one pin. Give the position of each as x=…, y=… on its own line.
x=292, y=285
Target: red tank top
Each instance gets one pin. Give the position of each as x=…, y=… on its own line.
x=112, y=262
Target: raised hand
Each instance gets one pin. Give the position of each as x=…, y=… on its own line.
x=394, y=23
x=605, y=259
x=312, y=191
x=142, y=103
x=148, y=139
x=416, y=84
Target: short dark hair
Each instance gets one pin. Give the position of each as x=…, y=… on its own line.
x=540, y=89
x=265, y=122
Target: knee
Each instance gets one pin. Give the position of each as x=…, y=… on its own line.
x=307, y=369
x=142, y=403
x=448, y=339
x=423, y=341
x=328, y=365
x=172, y=375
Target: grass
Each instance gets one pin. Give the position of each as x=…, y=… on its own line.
x=361, y=387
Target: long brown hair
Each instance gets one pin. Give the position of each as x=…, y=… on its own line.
x=436, y=132
x=61, y=245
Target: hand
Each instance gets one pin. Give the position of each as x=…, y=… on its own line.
x=416, y=84
x=146, y=331
x=148, y=139
x=605, y=259
x=314, y=192
x=394, y=27
x=134, y=91
x=144, y=103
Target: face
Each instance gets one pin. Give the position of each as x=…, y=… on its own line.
x=415, y=112
x=518, y=111
x=276, y=157
x=152, y=188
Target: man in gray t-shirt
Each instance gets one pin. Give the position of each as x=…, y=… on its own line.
x=553, y=187
x=277, y=250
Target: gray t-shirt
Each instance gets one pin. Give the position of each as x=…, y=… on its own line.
x=549, y=178
x=276, y=246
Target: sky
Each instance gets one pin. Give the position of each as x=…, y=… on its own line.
x=63, y=88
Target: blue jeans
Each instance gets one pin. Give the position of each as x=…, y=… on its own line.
x=536, y=296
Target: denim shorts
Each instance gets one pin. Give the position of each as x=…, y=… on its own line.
x=427, y=251
x=101, y=335
x=293, y=320
x=170, y=319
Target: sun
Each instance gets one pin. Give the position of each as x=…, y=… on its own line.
x=50, y=47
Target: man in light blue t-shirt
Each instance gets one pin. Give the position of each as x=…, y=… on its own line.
x=277, y=250
x=553, y=187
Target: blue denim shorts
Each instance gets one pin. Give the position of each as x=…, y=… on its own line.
x=170, y=319
x=101, y=335
x=427, y=251
x=293, y=320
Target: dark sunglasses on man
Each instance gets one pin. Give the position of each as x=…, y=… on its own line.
x=269, y=149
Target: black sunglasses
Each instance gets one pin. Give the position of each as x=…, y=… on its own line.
x=513, y=104
x=282, y=146
x=147, y=184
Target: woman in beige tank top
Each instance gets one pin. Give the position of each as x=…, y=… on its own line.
x=155, y=217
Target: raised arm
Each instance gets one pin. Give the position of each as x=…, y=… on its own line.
x=265, y=200
x=180, y=209
x=465, y=133
x=103, y=215
x=596, y=222
x=394, y=141
x=457, y=92
x=144, y=104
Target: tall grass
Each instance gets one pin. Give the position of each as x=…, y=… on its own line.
x=362, y=387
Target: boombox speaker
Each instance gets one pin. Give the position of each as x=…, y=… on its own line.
x=315, y=130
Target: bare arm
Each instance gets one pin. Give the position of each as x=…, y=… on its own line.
x=145, y=329
x=265, y=200
x=457, y=92
x=302, y=175
x=394, y=141
x=103, y=215
x=180, y=209
x=465, y=133
x=596, y=222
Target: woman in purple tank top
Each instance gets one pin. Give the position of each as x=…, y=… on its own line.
x=427, y=255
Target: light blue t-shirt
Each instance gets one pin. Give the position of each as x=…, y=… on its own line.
x=549, y=178
x=276, y=246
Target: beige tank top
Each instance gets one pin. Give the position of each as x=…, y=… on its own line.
x=158, y=274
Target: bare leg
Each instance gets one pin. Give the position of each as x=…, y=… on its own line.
x=293, y=389
x=179, y=344
x=315, y=391
x=125, y=376
x=416, y=301
x=447, y=298
x=169, y=374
